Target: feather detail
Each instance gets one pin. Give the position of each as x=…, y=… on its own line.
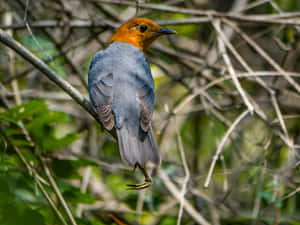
x=106, y=116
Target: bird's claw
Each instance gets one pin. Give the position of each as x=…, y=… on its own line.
x=147, y=183
x=144, y=185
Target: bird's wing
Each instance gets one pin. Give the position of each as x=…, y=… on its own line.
x=101, y=94
x=146, y=98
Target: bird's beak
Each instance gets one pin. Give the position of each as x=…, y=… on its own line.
x=163, y=31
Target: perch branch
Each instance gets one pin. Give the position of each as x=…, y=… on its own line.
x=46, y=70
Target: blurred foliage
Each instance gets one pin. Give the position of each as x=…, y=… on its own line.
x=39, y=122
x=45, y=50
x=20, y=198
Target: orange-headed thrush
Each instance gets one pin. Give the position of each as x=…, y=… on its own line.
x=122, y=92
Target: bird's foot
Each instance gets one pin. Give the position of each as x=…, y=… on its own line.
x=147, y=183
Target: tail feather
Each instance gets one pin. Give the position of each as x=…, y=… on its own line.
x=134, y=150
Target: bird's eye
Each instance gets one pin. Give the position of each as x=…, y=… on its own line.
x=143, y=28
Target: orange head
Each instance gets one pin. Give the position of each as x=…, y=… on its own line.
x=140, y=32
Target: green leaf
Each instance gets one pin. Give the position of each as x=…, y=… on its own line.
x=48, y=50
x=20, y=214
x=4, y=191
x=265, y=195
x=84, y=163
x=53, y=143
x=64, y=168
x=33, y=216
x=168, y=221
x=40, y=123
x=75, y=196
x=290, y=35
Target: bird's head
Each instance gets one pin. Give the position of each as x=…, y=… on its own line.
x=140, y=32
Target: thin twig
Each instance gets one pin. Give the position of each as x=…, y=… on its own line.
x=79, y=24
x=57, y=192
x=188, y=98
x=253, y=5
x=137, y=6
x=291, y=194
x=176, y=193
x=8, y=17
x=32, y=172
x=186, y=179
x=48, y=174
x=281, y=121
x=139, y=205
x=216, y=24
x=46, y=70
x=241, y=60
x=263, y=18
x=264, y=54
x=279, y=115
x=87, y=173
x=53, y=39
x=222, y=144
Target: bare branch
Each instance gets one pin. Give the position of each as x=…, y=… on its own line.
x=222, y=144
x=69, y=89
x=186, y=179
x=231, y=70
x=176, y=193
x=264, y=54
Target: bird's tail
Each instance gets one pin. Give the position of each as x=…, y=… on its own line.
x=134, y=150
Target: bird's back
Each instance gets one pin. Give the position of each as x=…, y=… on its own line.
x=121, y=59
x=131, y=74
x=125, y=80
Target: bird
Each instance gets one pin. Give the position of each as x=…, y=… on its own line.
x=122, y=93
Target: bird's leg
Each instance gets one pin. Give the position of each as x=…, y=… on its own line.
x=135, y=166
x=148, y=179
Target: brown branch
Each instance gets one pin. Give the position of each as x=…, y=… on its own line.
x=46, y=70
x=263, y=18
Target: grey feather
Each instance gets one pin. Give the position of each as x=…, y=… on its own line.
x=134, y=150
x=121, y=90
x=101, y=94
